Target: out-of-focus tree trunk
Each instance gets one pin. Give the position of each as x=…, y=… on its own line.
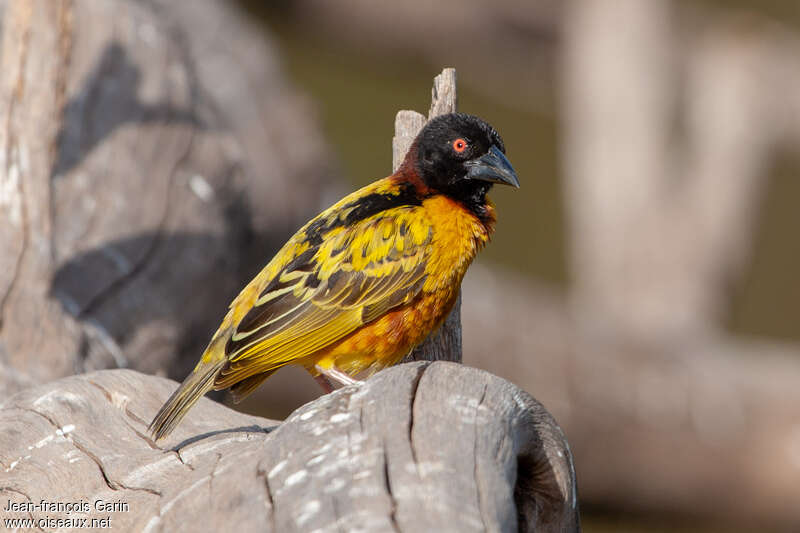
x=658, y=227
x=666, y=410
x=32, y=92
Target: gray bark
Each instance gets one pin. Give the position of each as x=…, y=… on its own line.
x=418, y=447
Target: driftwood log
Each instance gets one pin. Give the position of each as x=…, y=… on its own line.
x=133, y=183
x=419, y=447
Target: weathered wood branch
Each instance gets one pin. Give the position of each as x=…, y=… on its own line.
x=693, y=429
x=419, y=447
x=445, y=343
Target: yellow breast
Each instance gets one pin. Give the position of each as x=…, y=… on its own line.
x=458, y=235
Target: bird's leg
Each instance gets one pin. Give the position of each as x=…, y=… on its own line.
x=325, y=383
x=336, y=375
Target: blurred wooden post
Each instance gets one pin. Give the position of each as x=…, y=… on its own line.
x=659, y=226
x=444, y=344
x=35, y=52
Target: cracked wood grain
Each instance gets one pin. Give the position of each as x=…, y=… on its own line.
x=484, y=453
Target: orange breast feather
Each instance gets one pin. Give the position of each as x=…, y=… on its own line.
x=353, y=291
x=457, y=236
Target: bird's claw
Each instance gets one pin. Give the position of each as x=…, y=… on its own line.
x=333, y=374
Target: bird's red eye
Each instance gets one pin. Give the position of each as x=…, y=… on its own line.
x=459, y=145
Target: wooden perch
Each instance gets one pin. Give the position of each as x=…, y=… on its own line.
x=129, y=180
x=419, y=447
x=445, y=343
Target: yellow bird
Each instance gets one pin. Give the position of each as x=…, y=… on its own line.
x=368, y=279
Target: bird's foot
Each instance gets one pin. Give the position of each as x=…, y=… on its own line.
x=327, y=375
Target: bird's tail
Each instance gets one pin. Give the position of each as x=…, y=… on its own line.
x=199, y=382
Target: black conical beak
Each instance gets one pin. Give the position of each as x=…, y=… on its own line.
x=492, y=166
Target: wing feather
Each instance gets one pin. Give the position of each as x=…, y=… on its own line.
x=349, y=278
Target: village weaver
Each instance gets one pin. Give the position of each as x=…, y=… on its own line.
x=364, y=282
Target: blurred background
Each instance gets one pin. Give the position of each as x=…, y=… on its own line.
x=653, y=238
x=641, y=283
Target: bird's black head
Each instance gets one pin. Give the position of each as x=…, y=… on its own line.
x=462, y=156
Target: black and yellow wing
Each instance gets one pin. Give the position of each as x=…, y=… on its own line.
x=350, y=275
x=358, y=259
